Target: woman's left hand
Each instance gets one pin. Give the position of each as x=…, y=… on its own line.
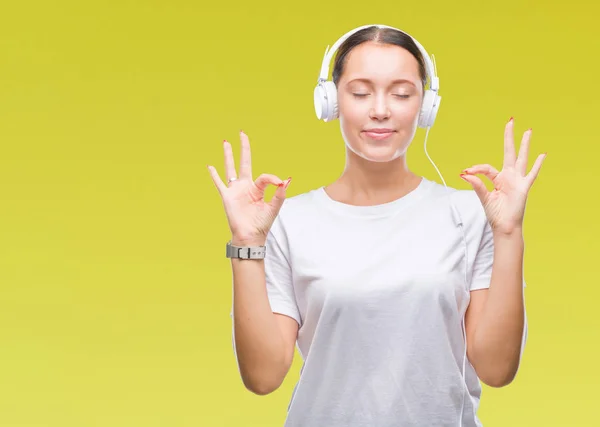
x=505, y=205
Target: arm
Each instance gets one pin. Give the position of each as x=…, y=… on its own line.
x=495, y=319
x=263, y=341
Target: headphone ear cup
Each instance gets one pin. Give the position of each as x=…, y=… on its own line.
x=325, y=98
x=434, y=110
x=429, y=109
x=332, y=101
x=320, y=101
x=426, y=108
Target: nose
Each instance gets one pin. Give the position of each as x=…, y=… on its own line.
x=380, y=109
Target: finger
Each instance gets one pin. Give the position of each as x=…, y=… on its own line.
x=478, y=185
x=509, y=144
x=279, y=197
x=265, y=179
x=229, y=163
x=521, y=163
x=535, y=170
x=217, y=180
x=245, y=157
x=488, y=171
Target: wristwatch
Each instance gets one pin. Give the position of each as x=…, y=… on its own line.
x=247, y=252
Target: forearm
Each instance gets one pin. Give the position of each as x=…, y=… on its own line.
x=259, y=344
x=497, y=338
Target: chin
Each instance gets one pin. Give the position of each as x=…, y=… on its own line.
x=379, y=154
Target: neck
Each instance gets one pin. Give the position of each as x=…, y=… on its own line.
x=366, y=183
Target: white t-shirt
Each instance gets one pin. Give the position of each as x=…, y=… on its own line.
x=379, y=294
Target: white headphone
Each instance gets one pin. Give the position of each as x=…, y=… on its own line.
x=326, y=105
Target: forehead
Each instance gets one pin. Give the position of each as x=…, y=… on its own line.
x=381, y=62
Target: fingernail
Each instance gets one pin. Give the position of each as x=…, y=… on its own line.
x=462, y=175
x=242, y=132
x=224, y=140
x=288, y=182
x=464, y=172
x=511, y=119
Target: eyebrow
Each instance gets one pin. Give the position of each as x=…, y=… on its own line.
x=393, y=82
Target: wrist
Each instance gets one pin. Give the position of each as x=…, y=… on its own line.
x=248, y=241
x=515, y=233
x=508, y=229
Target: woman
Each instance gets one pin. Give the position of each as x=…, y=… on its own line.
x=402, y=294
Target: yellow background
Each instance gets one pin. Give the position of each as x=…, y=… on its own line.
x=115, y=291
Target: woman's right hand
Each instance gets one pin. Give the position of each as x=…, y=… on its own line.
x=250, y=217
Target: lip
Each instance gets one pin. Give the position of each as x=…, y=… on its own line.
x=379, y=130
x=378, y=133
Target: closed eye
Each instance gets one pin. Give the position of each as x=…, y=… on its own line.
x=363, y=95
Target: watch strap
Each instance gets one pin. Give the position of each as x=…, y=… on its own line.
x=245, y=252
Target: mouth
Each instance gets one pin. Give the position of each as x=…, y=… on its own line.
x=379, y=134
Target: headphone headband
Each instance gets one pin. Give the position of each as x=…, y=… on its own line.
x=430, y=68
x=325, y=93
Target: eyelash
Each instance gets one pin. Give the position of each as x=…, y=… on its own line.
x=363, y=95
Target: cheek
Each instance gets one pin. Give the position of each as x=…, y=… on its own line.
x=352, y=111
x=407, y=112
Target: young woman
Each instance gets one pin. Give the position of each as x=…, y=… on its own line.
x=402, y=294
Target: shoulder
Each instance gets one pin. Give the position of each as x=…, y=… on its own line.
x=466, y=198
x=297, y=211
x=300, y=206
x=466, y=202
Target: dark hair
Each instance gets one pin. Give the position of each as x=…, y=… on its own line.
x=381, y=36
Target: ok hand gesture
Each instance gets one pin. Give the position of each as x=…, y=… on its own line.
x=505, y=205
x=250, y=217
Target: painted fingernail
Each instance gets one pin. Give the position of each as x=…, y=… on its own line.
x=511, y=119
x=462, y=175
x=288, y=182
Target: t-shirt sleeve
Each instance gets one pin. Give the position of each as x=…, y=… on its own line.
x=482, y=272
x=278, y=274
x=484, y=260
